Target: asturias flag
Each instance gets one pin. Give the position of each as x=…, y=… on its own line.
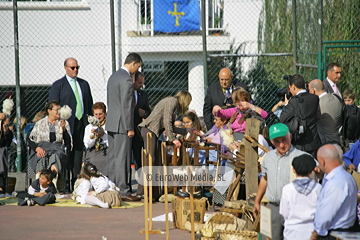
x=176, y=15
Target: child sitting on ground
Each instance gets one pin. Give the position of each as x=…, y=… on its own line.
x=42, y=191
x=105, y=189
x=83, y=189
x=299, y=199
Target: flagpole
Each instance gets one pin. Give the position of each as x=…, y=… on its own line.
x=203, y=23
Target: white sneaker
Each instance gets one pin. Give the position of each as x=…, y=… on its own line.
x=107, y=205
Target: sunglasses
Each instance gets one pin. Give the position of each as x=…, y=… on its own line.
x=73, y=68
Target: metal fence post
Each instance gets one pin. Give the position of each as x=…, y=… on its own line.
x=320, y=64
x=17, y=79
x=203, y=23
x=294, y=33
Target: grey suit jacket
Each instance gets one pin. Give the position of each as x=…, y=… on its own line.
x=120, y=101
x=163, y=117
x=330, y=118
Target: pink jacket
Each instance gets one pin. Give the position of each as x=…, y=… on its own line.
x=236, y=126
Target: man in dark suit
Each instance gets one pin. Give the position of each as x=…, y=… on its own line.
x=219, y=94
x=141, y=111
x=308, y=106
x=74, y=92
x=333, y=75
x=331, y=106
x=120, y=124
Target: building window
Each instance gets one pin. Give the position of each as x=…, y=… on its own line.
x=145, y=12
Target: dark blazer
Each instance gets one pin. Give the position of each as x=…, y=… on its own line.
x=137, y=141
x=62, y=92
x=309, y=109
x=328, y=88
x=215, y=96
x=143, y=103
x=51, y=188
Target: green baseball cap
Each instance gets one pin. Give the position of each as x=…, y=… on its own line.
x=278, y=130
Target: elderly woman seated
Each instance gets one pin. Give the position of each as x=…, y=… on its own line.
x=47, y=139
x=96, y=140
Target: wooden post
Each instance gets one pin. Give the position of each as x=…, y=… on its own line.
x=146, y=197
x=185, y=161
x=192, y=218
x=251, y=157
x=174, y=163
x=150, y=159
x=251, y=160
x=163, y=154
x=148, y=190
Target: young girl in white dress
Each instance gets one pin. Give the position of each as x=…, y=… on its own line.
x=83, y=193
x=105, y=189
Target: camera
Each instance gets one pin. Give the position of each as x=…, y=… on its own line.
x=287, y=77
x=281, y=93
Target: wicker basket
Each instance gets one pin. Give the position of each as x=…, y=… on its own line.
x=237, y=235
x=222, y=221
x=235, y=204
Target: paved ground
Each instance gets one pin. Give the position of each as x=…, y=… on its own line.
x=78, y=223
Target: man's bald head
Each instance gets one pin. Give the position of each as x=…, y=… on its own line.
x=225, y=78
x=329, y=157
x=316, y=86
x=329, y=152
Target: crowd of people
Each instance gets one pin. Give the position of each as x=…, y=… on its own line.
x=303, y=176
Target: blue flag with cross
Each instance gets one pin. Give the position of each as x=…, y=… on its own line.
x=176, y=15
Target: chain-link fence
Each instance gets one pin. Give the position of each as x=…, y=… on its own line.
x=259, y=40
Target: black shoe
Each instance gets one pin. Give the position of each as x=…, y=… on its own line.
x=130, y=198
x=198, y=195
x=182, y=194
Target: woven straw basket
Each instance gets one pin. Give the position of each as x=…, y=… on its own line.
x=222, y=221
x=237, y=235
x=239, y=204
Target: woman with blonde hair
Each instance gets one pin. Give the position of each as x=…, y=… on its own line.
x=162, y=118
x=38, y=116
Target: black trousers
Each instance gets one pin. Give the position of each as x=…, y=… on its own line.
x=47, y=199
x=328, y=237
x=76, y=154
x=137, y=145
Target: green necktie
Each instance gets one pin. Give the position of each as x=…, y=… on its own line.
x=78, y=101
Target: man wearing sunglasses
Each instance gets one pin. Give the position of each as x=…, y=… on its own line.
x=74, y=92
